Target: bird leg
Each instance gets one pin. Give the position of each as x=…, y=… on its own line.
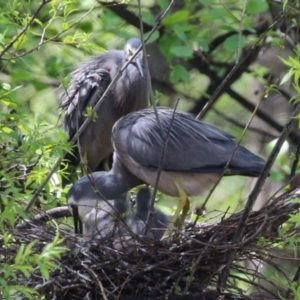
x=84, y=163
x=183, y=206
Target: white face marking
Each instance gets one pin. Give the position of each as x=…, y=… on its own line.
x=130, y=51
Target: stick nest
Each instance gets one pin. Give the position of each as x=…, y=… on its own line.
x=184, y=266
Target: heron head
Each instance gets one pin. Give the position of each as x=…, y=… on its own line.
x=130, y=48
x=143, y=199
x=79, y=208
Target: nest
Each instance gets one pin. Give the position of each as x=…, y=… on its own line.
x=184, y=266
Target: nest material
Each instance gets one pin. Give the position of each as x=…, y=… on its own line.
x=184, y=266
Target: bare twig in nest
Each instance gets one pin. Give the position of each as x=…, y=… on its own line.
x=187, y=263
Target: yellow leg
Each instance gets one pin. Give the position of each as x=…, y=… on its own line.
x=183, y=206
x=84, y=164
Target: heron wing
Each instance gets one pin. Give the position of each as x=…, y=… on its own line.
x=192, y=146
x=84, y=91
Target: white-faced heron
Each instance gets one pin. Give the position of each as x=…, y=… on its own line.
x=87, y=85
x=158, y=223
x=194, y=157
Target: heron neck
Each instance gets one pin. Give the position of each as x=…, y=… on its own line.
x=125, y=179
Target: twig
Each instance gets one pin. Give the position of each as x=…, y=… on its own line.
x=154, y=107
x=9, y=45
x=296, y=161
x=238, y=54
x=54, y=213
x=295, y=279
x=252, y=197
x=97, y=279
x=54, y=37
x=166, y=139
x=241, y=125
x=229, y=75
x=229, y=160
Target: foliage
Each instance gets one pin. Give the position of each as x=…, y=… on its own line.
x=200, y=42
x=27, y=262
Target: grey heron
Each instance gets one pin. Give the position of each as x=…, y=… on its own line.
x=88, y=83
x=195, y=155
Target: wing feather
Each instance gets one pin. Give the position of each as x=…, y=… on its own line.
x=192, y=145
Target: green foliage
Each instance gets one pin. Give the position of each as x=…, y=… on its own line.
x=26, y=262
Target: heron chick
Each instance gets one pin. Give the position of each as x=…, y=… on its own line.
x=158, y=221
x=88, y=83
x=94, y=217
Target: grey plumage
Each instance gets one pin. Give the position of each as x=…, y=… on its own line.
x=101, y=219
x=159, y=221
x=195, y=154
x=87, y=85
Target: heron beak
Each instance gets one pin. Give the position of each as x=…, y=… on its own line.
x=77, y=221
x=139, y=62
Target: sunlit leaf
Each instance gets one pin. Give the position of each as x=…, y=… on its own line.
x=257, y=6
x=182, y=51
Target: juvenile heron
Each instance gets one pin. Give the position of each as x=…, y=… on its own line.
x=96, y=218
x=194, y=156
x=159, y=222
x=88, y=83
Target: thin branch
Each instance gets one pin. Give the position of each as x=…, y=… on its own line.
x=130, y=18
x=159, y=170
x=238, y=54
x=294, y=135
x=216, y=94
x=23, y=31
x=295, y=279
x=252, y=197
x=54, y=213
x=296, y=161
x=229, y=160
x=241, y=125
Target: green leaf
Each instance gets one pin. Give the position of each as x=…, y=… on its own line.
x=20, y=254
x=286, y=62
x=232, y=43
x=6, y=86
x=257, y=6
x=286, y=77
x=203, y=44
x=213, y=14
x=44, y=270
x=39, y=22
x=153, y=37
x=182, y=51
x=180, y=33
x=206, y=2
x=65, y=25
x=179, y=73
x=176, y=17
x=20, y=43
x=6, y=129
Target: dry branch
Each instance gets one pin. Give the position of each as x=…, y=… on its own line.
x=147, y=269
